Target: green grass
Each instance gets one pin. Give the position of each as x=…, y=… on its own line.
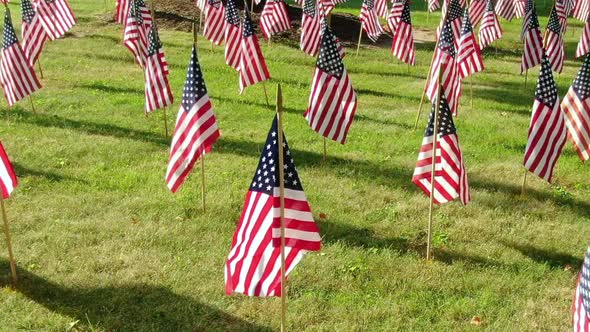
x=102, y=245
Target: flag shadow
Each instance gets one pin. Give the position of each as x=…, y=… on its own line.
x=551, y=257
x=24, y=172
x=127, y=307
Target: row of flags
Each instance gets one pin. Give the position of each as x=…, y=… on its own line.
x=42, y=20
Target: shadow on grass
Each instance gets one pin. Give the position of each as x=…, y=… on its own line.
x=24, y=172
x=551, y=257
x=104, y=87
x=130, y=307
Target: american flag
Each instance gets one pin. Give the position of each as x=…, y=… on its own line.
x=547, y=132
x=332, y=102
x=490, y=29
x=402, y=45
x=157, y=89
x=582, y=10
x=561, y=14
x=196, y=127
x=476, y=9
x=274, y=18
x=445, y=60
x=8, y=180
x=554, y=42
x=505, y=9
x=433, y=5
x=576, y=106
x=252, y=65
x=122, y=10
x=584, y=43
x=529, y=10
x=325, y=7
x=519, y=8
x=253, y=266
x=469, y=60
x=395, y=14
x=233, y=34
x=532, y=54
x=454, y=18
x=56, y=16
x=34, y=36
x=135, y=36
x=214, y=28
x=369, y=20
x=381, y=8
x=450, y=178
x=17, y=77
x=581, y=305
x=310, y=28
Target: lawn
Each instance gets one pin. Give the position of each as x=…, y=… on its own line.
x=102, y=245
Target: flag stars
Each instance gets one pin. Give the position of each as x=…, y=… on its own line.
x=582, y=82
x=194, y=88
x=546, y=91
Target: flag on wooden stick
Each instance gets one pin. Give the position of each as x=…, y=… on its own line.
x=56, y=16
x=370, y=21
x=310, y=28
x=581, y=305
x=252, y=64
x=532, y=54
x=214, y=28
x=402, y=45
x=490, y=29
x=233, y=34
x=8, y=180
x=554, y=42
x=274, y=18
x=157, y=89
x=450, y=177
x=576, y=107
x=253, y=266
x=332, y=102
x=196, y=127
x=469, y=60
x=547, y=132
x=136, y=33
x=33, y=33
x=17, y=77
x=453, y=12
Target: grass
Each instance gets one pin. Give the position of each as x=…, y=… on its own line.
x=103, y=246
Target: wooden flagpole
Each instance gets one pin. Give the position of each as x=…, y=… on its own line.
x=526, y=77
x=428, y=76
x=8, y=243
x=471, y=89
x=523, y=191
x=325, y=149
x=432, y=176
x=265, y=93
x=282, y=209
x=40, y=69
x=32, y=105
x=358, y=46
x=252, y=7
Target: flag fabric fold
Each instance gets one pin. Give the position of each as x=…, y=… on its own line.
x=233, y=34
x=402, y=45
x=395, y=15
x=505, y=9
x=122, y=10
x=584, y=43
x=469, y=60
x=136, y=33
x=476, y=9
x=196, y=128
x=490, y=29
x=547, y=132
x=157, y=88
x=554, y=42
x=581, y=305
x=214, y=27
x=310, y=28
x=252, y=67
x=56, y=17
x=274, y=18
x=8, y=180
x=253, y=266
x=576, y=108
x=533, y=51
x=33, y=33
x=370, y=21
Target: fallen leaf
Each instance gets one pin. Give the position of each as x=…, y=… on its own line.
x=323, y=216
x=567, y=267
x=475, y=321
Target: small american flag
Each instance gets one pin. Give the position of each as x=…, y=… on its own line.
x=582, y=10
x=490, y=29
x=519, y=8
x=332, y=102
x=505, y=9
x=547, y=132
x=576, y=107
x=450, y=178
x=369, y=20
x=469, y=60
x=233, y=34
x=17, y=77
x=310, y=28
x=454, y=19
x=476, y=9
x=135, y=36
x=581, y=305
x=214, y=28
x=56, y=16
x=533, y=42
x=122, y=10
x=561, y=14
x=253, y=266
x=274, y=18
x=402, y=45
x=395, y=15
x=445, y=60
x=252, y=65
x=381, y=8
x=157, y=89
x=554, y=42
x=584, y=43
x=34, y=36
x=196, y=127
x=8, y=180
